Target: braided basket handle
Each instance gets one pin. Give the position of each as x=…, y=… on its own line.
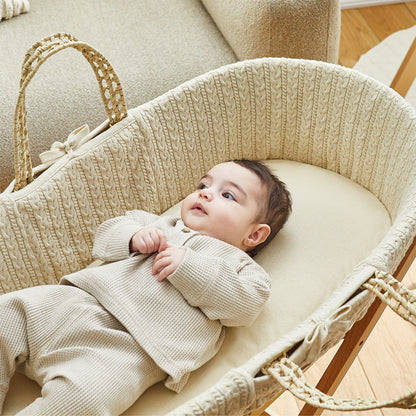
x=394, y=293
x=109, y=84
x=290, y=376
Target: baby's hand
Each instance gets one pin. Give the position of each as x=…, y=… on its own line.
x=148, y=240
x=167, y=261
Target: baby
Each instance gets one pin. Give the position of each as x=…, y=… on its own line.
x=156, y=310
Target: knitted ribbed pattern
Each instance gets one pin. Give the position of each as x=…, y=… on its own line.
x=307, y=111
x=215, y=284
x=61, y=330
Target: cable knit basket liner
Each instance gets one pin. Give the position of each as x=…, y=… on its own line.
x=343, y=142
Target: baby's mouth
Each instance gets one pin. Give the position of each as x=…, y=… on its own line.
x=198, y=207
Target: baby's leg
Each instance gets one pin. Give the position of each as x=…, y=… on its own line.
x=13, y=339
x=27, y=319
x=93, y=366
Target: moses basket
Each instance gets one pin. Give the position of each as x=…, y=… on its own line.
x=344, y=144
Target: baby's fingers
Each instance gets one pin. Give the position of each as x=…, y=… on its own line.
x=161, y=261
x=163, y=242
x=138, y=244
x=149, y=242
x=165, y=272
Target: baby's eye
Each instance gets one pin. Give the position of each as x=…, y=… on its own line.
x=227, y=195
x=202, y=186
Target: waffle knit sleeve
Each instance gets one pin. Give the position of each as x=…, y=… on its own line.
x=233, y=295
x=113, y=236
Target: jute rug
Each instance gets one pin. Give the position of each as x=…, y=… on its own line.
x=383, y=61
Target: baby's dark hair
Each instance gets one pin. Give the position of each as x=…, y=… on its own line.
x=278, y=202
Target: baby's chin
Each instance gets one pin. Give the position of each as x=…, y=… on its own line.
x=194, y=227
x=207, y=233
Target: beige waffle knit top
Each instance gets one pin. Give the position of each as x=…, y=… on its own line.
x=180, y=321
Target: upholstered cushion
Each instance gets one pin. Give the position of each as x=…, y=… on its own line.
x=153, y=46
x=335, y=224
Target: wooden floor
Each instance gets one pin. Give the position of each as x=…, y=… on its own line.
x=364, y=28
x=386, y=365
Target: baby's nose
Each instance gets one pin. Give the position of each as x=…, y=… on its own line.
x=205, y=193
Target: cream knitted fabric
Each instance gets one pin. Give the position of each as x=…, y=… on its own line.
x=11, y=8
x=306, y=111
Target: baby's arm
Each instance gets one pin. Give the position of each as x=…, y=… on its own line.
x=233, y=296
x=112, y=239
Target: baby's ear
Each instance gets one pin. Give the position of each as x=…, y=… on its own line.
x=258, y=234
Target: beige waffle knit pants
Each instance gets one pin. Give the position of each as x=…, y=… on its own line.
x=84, y=359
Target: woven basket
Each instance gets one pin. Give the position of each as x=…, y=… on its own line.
x=250, y=109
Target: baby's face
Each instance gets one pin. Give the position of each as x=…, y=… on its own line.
x=225, y=204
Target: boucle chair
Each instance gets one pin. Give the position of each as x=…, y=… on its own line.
x=344, y=144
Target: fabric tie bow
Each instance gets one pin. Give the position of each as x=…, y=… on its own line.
x=75, y=139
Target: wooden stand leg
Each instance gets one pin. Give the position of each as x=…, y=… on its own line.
x=406, y=73
x=354, y=340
